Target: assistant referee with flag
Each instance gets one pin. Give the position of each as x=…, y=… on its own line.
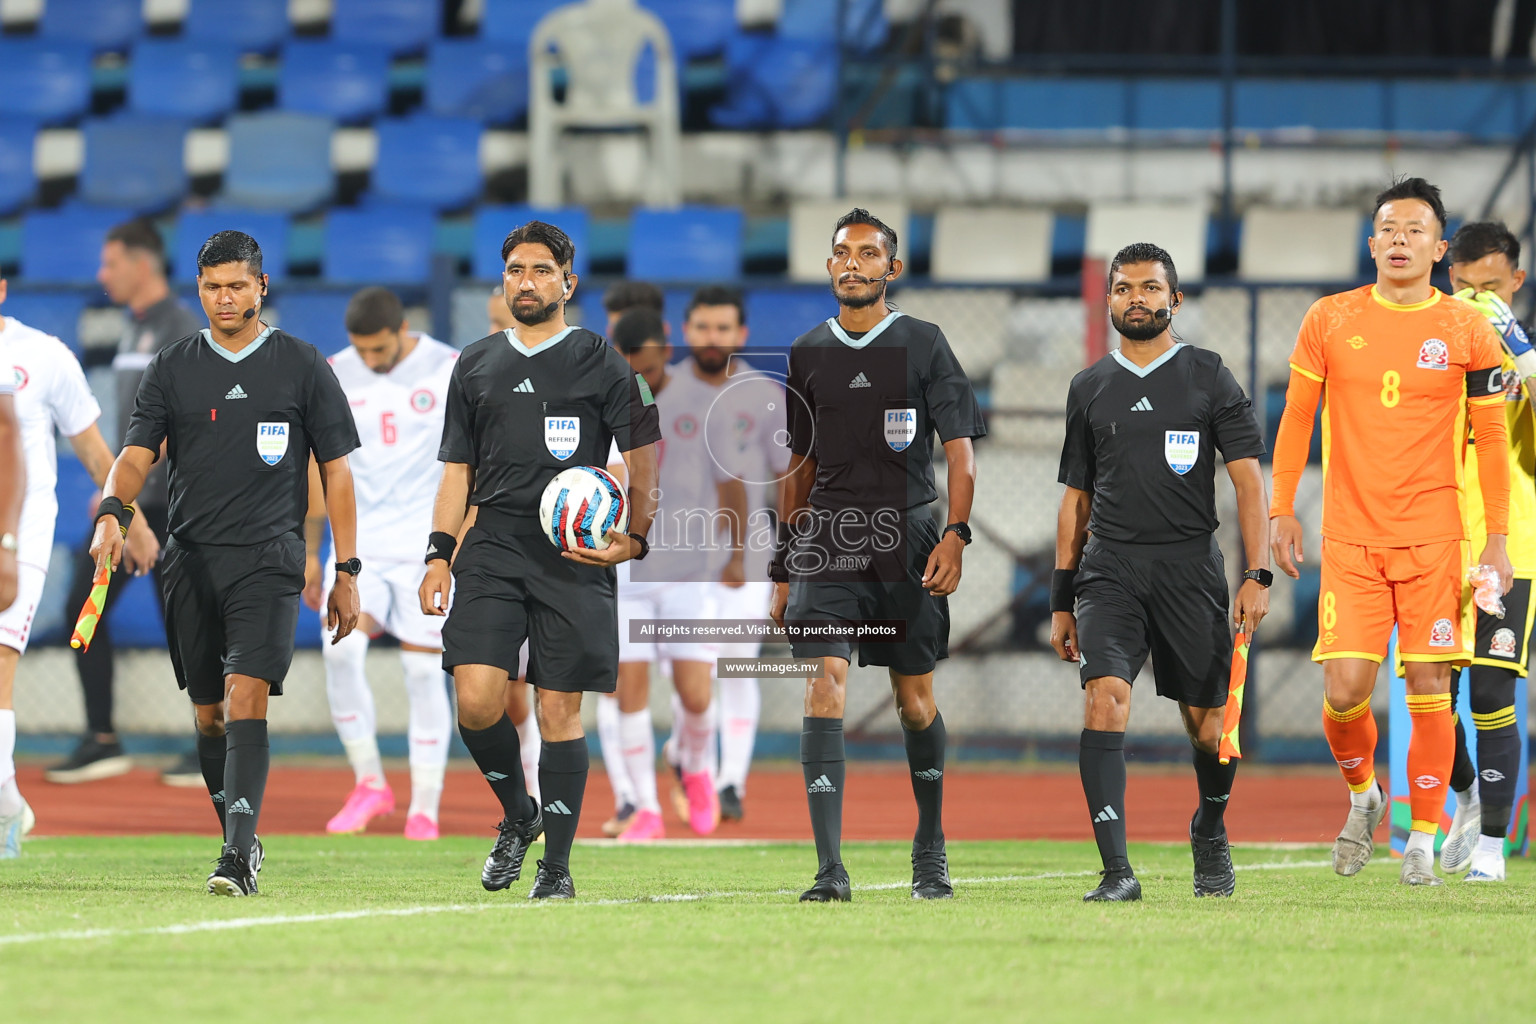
x=1139, y=463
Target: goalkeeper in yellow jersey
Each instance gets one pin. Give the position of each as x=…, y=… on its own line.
x=1484, y=264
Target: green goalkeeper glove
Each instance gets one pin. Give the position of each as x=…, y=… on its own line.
x=1510, y=332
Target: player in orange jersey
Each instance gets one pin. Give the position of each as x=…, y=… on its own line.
x=1400, y=368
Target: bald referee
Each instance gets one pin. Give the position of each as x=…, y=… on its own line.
x=524, y=404
x=1139, y=463
x=237, y=409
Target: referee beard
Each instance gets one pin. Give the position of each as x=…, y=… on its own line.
x=240, y=595
x=1152, y=579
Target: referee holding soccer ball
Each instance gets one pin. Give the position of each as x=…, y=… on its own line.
x=1139, y=463
x=524, y=404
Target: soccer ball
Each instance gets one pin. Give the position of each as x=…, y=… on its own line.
x=580, y=505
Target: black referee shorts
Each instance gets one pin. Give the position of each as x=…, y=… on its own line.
x=231, y=609
x=511, y=585
x=813, y=599
x=1169, y=600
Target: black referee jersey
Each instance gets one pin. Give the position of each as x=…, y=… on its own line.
x=239, y=429
x=1143, y=442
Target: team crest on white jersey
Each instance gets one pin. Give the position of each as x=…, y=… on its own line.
x=1502, y=644
x=686, y=425
x=423, y=400
x=1434, y=355
x=562, y=435
x=1442, y=634
x=21, y=377
x=900, y=428
x=1181, y=450
x=271, y=442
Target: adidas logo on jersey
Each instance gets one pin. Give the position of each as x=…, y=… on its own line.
x=526, y=387
x=236, y=392
x=1145, y=405
x=240, y=807
x=821, y=785
x=1107, y=814
x=860, y=381
x=558, y=807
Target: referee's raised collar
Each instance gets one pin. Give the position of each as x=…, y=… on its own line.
x=869, y=335
x=518, y=346
x=235, y=357
x=1142, y=371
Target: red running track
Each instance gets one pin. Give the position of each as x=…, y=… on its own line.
x=1300, y=805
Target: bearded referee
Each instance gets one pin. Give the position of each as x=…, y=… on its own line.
x=524, y=404
x=867, y=391
x=1139, y=463
x=236, y=409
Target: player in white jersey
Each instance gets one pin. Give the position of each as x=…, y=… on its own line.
x=751, y=405
x=695, y=542
x=396, y=383
x=51, y=396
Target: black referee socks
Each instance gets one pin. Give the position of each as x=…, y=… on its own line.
x=498, y=754
x=822, y=761
x=1215, y=782
x=562, y=781
x=1101, y=763
x=245, y=780
x=925, y=759
x=210, y=757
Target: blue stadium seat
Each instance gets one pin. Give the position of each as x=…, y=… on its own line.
x=426, y=159
x=17, y=181
x=52, y=312
x=864, y=26
x=49, y=80
x=1491, y=110
x=492, y=223
x=180, y=78
x=317, y=316
x=379, y=243
x=1314, y=104
x=783, y=83
x=279, y=161
x=261, y=26
x=64, y=245
x=777, y=316
x=195, y=226
x=101, y=24
x=400, y=26
x=513, y=21
x=135, y=162
x=477, y=78
x=691, y=243
x=699, y=28
x=348, y=81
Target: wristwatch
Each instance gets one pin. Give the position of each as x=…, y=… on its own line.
x=962, y=530
x=1263, y=577
x=351, y=565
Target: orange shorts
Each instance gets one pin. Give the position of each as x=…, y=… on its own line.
x=1368, y=590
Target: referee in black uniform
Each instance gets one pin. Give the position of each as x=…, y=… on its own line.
x=509, y=583
x=867, y=391
x=239, y=407
x=1139, y=464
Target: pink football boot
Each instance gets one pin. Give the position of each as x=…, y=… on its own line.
x=364, y=803
x=419, y=826
x=643, y=827
x=703, y=802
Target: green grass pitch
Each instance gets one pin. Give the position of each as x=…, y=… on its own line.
x=378, y=929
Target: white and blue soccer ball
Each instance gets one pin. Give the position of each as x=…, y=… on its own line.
x=580, y=505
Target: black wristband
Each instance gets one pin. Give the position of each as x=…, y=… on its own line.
x=440, y=545
x=645, y=545
x=778, y=569
x=1064, y=590
x=114, y=507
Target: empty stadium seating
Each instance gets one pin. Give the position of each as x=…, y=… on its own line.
x=190, y=79
x=47, y=80
x=492, y=223
x=687, y=244
x=17, y=180
x=64, y=245
x=378, y=244
x=279, y=161
x=346, y=80
x=195, y=226
x=476, y=78
x=430, y=160
x=102, y=24
x=261, y=27
x=134, y=161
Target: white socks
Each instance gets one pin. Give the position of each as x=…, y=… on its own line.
x=694, y=736
x=352, y=710
x=530, y=743
x=1470, y=797
x=1369, y=798
x=613, y=751
x=1490, y=846
x=1424, y=841
x=10, y=795
x=430, y=728
x=637, y=742
x=741, y=703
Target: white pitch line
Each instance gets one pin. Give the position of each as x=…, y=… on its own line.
x=240, y=923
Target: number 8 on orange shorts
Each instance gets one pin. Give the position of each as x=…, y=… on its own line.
x=1366, y=590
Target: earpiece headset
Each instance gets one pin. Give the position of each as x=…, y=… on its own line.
x=252, y=311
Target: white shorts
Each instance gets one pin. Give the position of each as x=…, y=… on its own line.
x=388, y=592
x=748, y=601
x=16, y=621
x=665, y=601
